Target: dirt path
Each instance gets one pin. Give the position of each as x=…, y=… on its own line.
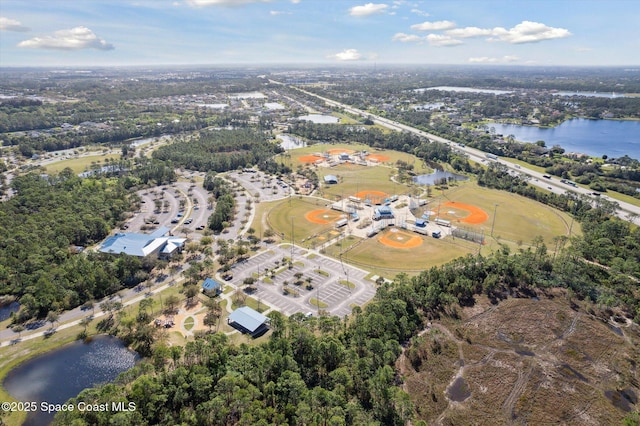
x=516, y=391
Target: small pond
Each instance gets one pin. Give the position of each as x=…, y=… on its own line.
x=436, y=177
x=56, y=376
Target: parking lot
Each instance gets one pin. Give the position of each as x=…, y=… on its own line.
x=327, y=277
x=268, y=187
x=160, y=206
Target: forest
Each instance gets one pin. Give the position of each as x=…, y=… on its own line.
x=46, y=225
x=220, y=150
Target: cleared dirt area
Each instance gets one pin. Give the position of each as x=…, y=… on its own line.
x=524, y=361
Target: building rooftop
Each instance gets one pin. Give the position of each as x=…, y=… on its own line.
x=141, y=245
x=247, y=318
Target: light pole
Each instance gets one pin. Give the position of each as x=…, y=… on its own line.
x=493, y=223
x=291, y=241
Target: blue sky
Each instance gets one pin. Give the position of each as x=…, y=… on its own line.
x=158, y=32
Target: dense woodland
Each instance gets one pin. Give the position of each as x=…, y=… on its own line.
x=220, y=151
x=44, y=226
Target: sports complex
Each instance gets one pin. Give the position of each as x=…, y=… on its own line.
x=367, y=218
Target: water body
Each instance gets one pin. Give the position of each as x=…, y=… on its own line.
x=6, y=310
x=56, y=376
x=291, y=142
x=458, y=391
x=436, y=177
x=593, y=137
x=592, y=94
x=464, y=89
x=319, y=119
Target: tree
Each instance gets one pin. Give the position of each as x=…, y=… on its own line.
x=53, y=317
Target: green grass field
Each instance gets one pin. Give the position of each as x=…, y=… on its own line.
x=81, y=164
x=354, y=178
x=388, y=262
x=517, y=219
x=292, y=157
x=282, y=214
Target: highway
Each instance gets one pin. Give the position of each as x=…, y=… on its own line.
x=625, y=211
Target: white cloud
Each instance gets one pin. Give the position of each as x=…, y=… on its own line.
x=529, y=32
x=204, y=3
x=583, y=49
x=524, y=32
x=72, y=39
x=347, y=55
x=469, y=32
x=434, y=26
x=295, y=1
x=442, y=40
x=419, y=12
x=489, y=60
x=7, y=24
x=368, y=9
x=406, y=38
x=278, y=12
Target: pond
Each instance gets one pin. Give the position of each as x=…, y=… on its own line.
x=319, y=119
x=61, y=374
x=615, y=138
x=436, y=177
x=291, y=142
x=464, y=90
x=7, y=309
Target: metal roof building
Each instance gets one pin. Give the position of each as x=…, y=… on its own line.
x=142, y=245
x=211, y=286
x=331, y=179
x=248, y=320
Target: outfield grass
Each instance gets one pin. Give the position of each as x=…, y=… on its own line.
x=284, y=213
x=81, y=164
x=354, y=178
x=517, y=219
x=388, y=262
x=292, y=157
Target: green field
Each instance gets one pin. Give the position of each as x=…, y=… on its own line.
x=287, y=215
x=81, y=164
x=292, y=157
x=517, y=219
x=388, y=262
x=354, y=178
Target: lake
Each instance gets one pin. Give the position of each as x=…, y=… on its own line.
x=593, y=137
x=464, y=90
x=436, y=177
x=291, y=142
x=611, y=95
x=56, y=376
x=319, y=119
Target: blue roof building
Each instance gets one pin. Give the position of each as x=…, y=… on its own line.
x=210, y=286
x=248, y=320
x=143, y=245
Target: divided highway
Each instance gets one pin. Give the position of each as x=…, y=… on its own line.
x=625, y=211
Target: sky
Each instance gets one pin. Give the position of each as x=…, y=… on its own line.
x=325, y=32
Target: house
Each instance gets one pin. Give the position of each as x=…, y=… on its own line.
x=211, y=287
x=248, y=321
